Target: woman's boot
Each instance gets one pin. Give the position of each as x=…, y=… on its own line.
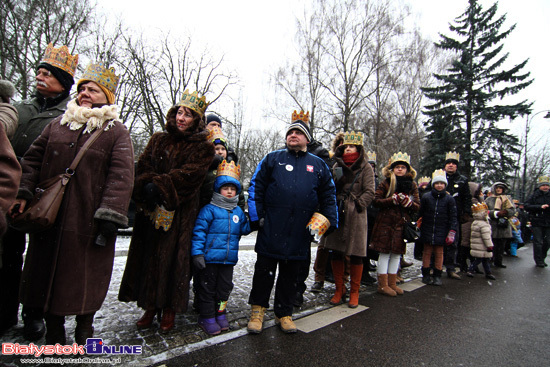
x=84, y=328
x=383, y=287
x=338, y=273
x=167, y=321
x=147, y=319
x=356, y=271
x=55, y=329
x=426, y=277
x=392, y=283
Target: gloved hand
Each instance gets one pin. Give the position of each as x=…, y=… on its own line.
x=490, y=249
x=406, y=201
x=107, y=228
x=330, y=230
x=502, y=213
x=395, y=199
x=198, y=262
x=450, y=238
x=256, y=225
x=152, y=196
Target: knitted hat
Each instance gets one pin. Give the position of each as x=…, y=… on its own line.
x=213, y=117
x=300, y=122
x=64, y=78
x=439, y=176
x=543, y=180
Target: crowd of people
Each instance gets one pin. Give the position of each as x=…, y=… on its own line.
x=191, y=213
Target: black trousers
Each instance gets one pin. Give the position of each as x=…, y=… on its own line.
x=498, y=252
x=13, y=244
x=303, y=274
x=285, y=289
x=213, y=285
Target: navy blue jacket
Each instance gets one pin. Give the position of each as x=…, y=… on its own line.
x=438, y=212
x=286, y=189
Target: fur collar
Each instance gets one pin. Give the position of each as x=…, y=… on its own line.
x=77, y=117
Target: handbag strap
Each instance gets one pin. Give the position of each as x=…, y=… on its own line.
x=84, y=148
x=352, y=183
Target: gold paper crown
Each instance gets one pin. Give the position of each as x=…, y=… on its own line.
x=438, y=173
x=453, y=155
x=61, y=58
x=99, y=74
x=300, y=116
x=215, y=133
x=479, y=207
x=318, y=223
x=400, y=157
x=229, y=169
x=543, y=179
x=353, y=138
x=424, y=180
x=193, y=102
x=371, y=157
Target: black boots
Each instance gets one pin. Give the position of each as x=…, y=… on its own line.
x=84, y=328
x=55, y=333
x=426, y=277
x=34, y=327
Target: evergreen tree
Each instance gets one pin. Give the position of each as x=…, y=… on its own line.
x=465, y=108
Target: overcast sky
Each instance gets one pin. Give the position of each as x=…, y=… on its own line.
x=256, y=36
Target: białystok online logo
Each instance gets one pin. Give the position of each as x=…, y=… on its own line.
x=94, y=346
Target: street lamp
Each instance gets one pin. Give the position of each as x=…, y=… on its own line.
x=527, y=128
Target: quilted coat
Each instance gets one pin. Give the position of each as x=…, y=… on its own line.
x=438, y=213
x=480, y=238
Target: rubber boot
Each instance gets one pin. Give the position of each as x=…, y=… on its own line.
x=55, y=329
x=383, y=287
x=84, y=328
x=338, y=272
x=426, y=277
x=392, y=283
x=356, y=271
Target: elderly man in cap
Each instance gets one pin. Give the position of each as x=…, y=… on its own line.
x=54, y=79
x=538, y=205
x=287, y=188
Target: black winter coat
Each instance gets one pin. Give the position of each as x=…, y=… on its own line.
x=459, y=189
x=539, y=217
x=438, y=212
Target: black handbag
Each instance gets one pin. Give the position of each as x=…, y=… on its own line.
x=502, y=223
x=410, y=231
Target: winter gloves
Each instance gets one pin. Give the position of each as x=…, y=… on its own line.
x=490, y=249
x=502, y=213
x=107, y=228
x=198, y=261
x=401, y=199
x=256, y=225
x=395, y=199
x=152, y=196
x=450, y=238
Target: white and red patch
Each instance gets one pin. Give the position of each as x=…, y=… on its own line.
x=309, y=168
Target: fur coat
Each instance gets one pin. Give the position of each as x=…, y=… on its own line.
x=158, y=269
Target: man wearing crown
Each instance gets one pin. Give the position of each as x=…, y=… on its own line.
x=459, y=189
x=538, y=206
x=54, y=79
x=287, y=188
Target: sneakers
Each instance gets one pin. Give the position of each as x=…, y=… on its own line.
x=222, y=321
x=317, y=287
x=286, y=324
x=256, y=323
x=210, y=326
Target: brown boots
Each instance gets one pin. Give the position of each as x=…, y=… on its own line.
x=338, y=273
x=392, y=283
x=383, y=287
x=356, y=271
x=256, y=323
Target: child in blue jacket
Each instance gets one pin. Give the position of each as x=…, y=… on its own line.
x=215, y=246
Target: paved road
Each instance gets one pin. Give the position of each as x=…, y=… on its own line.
x=472, y=322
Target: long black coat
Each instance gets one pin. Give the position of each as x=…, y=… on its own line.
x=438, y=213
x=539, y=217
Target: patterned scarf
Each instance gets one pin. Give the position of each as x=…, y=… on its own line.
x=77, y=117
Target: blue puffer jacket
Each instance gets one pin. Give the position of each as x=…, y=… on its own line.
x=286, y=189
x=438, y=212
x=217, y=231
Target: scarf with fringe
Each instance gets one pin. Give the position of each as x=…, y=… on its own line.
x=77, y=117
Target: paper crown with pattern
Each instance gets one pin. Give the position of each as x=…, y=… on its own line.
x=400, y=157
x=60, y=58
x=424, y=180
x=452, y=155
x=543, y=180
x=371, y=157
x=300, y=116
x=229, y=169
x=438, y=173
x=194, y=102
x=318, y=224
x=215, y=133
x=101, y=75
x=479, y=207
x=353, y=138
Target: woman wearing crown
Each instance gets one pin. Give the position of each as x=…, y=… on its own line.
x=354, y=180
x=66, y=272
x=168, y=178
x=397, y=198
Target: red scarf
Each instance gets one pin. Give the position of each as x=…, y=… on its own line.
x=349, y=158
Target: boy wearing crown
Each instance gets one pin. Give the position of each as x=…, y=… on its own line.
x=538, y=206
x=480, y=241
x=439, y=226
x=54, y=79
x=287, y=188
x=215, y=246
